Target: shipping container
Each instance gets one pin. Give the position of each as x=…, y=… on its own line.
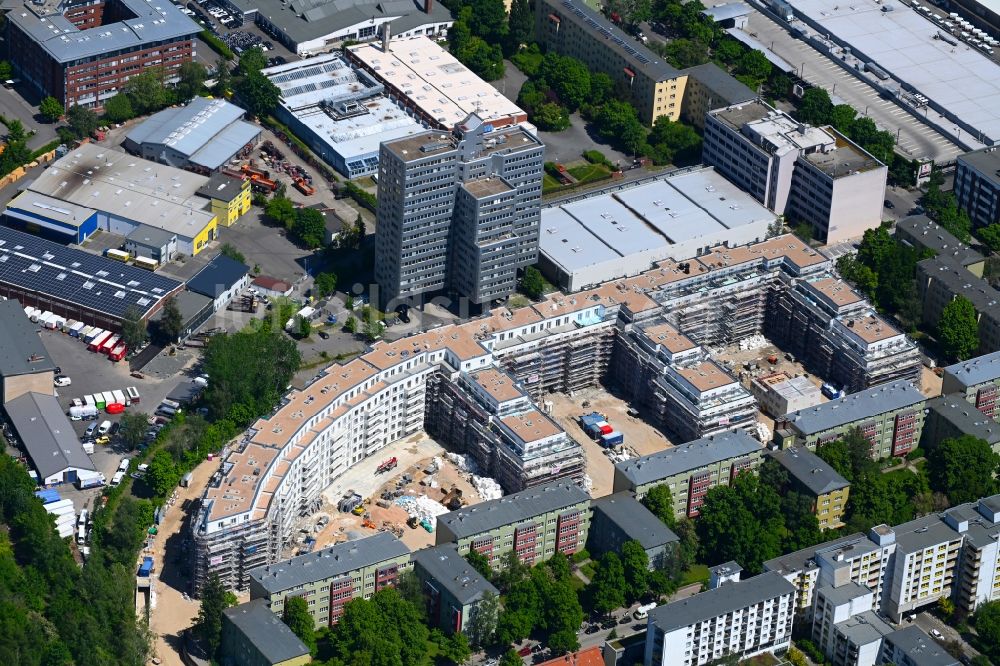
x=95, y=343
x=117, y=255
x=99, y=401
x=89, y=480
x=85, y=331
x=109, y=398
x=110, y=344
x=146, y=567
x=68, y=325
x=55, y=323
x=613, y=438
x=77, y=328
x=119, y=396
x=117, y=354
x=605, y=428
x=132, y=393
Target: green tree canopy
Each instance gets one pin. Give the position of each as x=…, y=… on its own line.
x=192, y=76
x=172, y=320
x=618, y=122
x=162, y=475
x=118, y=109
x=741, y=522
x=483, y=620
x=963, y=468
x=987, y=624
x=635, y=562
x=607, y=587
x=252, y=61
x=300, y=621
x=520, y=25
x=325, y=284
x=147, y=92
x=958, y=329
x=532, y=282
x=661, y=503
x=214, y=600
x=281, y=210
x=82, y=121
x=815, y=107
x=132, y=429
x=568, y=77
x=480, y=563
x=229, y=250
x=51, y=109
x=134, y=332
x=309, y=227
x=258, y=94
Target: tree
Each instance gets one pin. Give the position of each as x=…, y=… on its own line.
x=51, y=109
x=118, y=109
x=258, y=94
x=963, y=468
x=754, y=66
x=6, y=70
x=483, y=620
x=15, y=131
x=223, y=77
x=632, y=12
x=132, y=429
x=550, y=117
x=990, y=235
x=617, y=121
x=372, y=330
x=252, y=61
x=310, y=227
x=568, y=77
x=520, y=25
x=607, y=587
x=351, y=325
x=304, y=327
x=229, y=250
x=325, y=284
x=815, y=107
x=532, y=282
x=452, y=647
x=683, y=53
x=82, y=121
x=162, y=476
x=208, y=627
x=741, y=522
x=674, y=142
x=987, y=623
x=147, y=92
x=842, y=117
x=192, y=76
x=281, y=210
x=134, y=333
x=480, y=563
x=300, y=621
x=661, y=503
x=488, y=20
x=511, y=658
x=635, y=561
x=958, y=329
x=801, y=525
x=172, y=320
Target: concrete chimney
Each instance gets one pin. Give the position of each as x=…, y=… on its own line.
x=386, y=36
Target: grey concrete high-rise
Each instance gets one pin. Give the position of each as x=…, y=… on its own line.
x=457, y=213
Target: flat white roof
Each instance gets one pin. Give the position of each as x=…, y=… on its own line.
x=435, y=81
x=959, y=78
x=647, y=219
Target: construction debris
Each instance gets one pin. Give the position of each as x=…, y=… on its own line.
x=423, y=509
x=753, y=342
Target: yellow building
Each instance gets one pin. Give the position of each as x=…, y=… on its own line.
x=571, y=28
x=814, y=477
x=230, y=197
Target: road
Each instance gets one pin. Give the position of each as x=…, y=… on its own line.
x=927, y=622
x=914, y=137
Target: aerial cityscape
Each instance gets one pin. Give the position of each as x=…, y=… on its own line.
x=500, y=332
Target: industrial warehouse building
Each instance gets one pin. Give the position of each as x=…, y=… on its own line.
x=309, y=26
x=82, y=53
x=201, y=136
x=433, y=86
x=99, y=188
x=623, y=230
x=47, y=435
x=76, y=284
x=340, y=112
x=25, y=366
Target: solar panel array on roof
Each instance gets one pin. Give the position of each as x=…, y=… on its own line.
x=78, y=277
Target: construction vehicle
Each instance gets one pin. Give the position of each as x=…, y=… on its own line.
x=358, y=510
x=412, y=522
x=453, y=499
x=259, y=178
x=368, y=523
x=386, y=465
x=302, y=186
x=426, y=524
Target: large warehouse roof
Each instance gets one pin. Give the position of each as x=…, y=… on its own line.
x=959, y=78
x=435, y=82
x=129, y=187
x=47, y=434
x=665, y=217
x=73, y=276
x=208, y=132
x=22, y=351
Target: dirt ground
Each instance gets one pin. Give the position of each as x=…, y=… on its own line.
x=930, y=383
x=171, y=612
x=641, y=438
x=414, y=454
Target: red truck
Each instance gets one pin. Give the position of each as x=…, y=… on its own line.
x=388, y=464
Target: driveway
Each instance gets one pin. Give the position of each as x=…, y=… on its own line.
x=927, y=622
x=568, y=145
x=23, y=105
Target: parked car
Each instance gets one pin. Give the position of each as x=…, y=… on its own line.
x=91, y=429
x=888, y=204
x=103, y=440
x=936, y=634
x=62, y=380
x=324, y=335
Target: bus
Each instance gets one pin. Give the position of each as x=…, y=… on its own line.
x=117, y=255
x=148, y=264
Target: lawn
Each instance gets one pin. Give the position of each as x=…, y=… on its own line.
x=588, y=569
x=584, y=173
x=696, y=574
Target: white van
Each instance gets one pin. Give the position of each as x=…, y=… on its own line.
x=643, y=611
x=81, y=528
x=123, y=465
x=104, y=428
x=117, y=478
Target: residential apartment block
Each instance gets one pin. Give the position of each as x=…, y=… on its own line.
x=907, y=567
x=810, y=174
x=489, y=415
x=838, y=336
x=814, y=477
x=82, y=53
x=329, y=578
x=977, y=381
x=573, y=28
x=923, y=233
x=743, y=618
x=941, y=280
x=453, y=588
x=458, y=212
x=689, y=395
x=910, y=646
x=254, y=636
x=890, y=416
x=618, y=518
x=690, y=470
x=977, y=185
x=778, y=394
x=534, y=524
x=950, y=416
